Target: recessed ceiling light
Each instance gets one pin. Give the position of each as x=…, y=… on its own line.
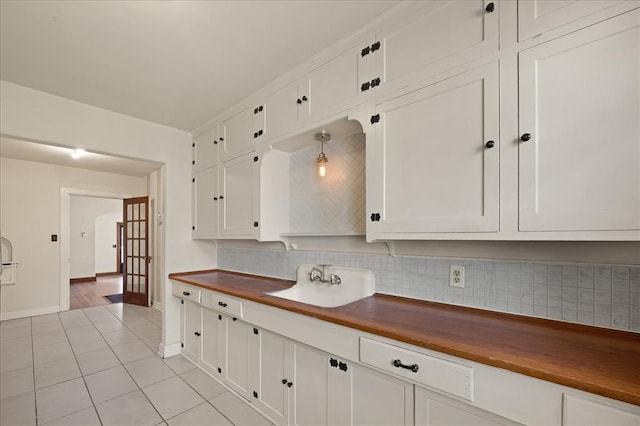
x=77, y=153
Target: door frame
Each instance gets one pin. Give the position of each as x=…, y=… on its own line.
x=65, y=234
x=119, y=231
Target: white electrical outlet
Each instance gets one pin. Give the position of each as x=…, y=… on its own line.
x=456, y=276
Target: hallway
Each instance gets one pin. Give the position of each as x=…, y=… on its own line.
x=86, y=295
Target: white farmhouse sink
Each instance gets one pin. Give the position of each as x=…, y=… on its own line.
x=355, y=284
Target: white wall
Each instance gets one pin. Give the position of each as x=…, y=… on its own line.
x=34, y=115
x=96, y=218
x=30, y=214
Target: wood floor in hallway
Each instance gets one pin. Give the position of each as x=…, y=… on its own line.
x=86, y=295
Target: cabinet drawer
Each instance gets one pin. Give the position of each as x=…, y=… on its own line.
x=223, y=303
x=186, y=292
x=436, y=373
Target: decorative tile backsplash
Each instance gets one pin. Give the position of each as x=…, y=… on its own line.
x=335, y=203
x=602, y=295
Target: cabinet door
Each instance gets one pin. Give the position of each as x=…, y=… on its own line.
x=579, y=108
x=191, y=331
x=237, y=355
x=333, y=87
x=205, y=203
x=432, y=409
x=283, y=111
x=538, y=16
x=579, y=411
x=237, y=134
x=212, y=342
x=205, y=149
x=271, y=374
x=441, y=36
x=310, y=387
x=438, y=151
x=378, y=399
x=239, y=182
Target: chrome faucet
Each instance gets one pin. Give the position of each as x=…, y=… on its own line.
x=317, y=274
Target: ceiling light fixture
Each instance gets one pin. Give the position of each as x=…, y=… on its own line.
x=322, y=159
x=77, y=153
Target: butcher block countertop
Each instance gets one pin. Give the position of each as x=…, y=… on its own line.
x=597, y=360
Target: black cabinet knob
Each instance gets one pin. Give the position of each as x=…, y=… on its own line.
x=215, y=142
x=490, y=7
x=490, y=144
x=290, y=384
x=221, y=197
x=525, y=137
x=197, y=334
x=304, y=98
x=299, y=101
x=284, y=381
x=255, y=135
x=215, y=198
x=185, y=293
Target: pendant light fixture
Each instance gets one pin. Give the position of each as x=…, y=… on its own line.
x=322, y=159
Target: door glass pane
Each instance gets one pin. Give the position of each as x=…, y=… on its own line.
x=143, y=208
x=129, y=247
x=129, y=265
x=136, y=207
x=142, y=285
x=135, y=270
x=142, y=248
x=143, y=233
x=136, y=281
x=135, y=247
x=129, y=283
x=136, y=229
x=129, y=230
x=129, y=212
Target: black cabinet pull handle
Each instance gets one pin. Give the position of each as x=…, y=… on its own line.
x=186, y=293
x=525, y=137
x=224, y=305
x=215, y=198
x=333, y=362
x=342, y=366
x=221, y=197
x=399, y=364
x=197, y=334
x=490, y=144
x=490, y=7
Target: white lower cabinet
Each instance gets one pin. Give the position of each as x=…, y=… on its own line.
x=330, y=391
x=191, y=330
x=433, y=409
x=582, y=411
x=212, y=335
x=237, y=344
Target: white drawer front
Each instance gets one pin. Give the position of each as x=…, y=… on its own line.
x=186, y=292
x=436, y=373
x=225, y=304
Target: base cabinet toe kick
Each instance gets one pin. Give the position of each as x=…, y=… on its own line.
x=295, y=369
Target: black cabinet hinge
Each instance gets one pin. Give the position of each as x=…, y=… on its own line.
x=193, y=161
x=255, y=394
x=215, y=142
x=182, y=345
x=375, y=118
x=235, y=319
x=193, y=180
x=333, y=362
x=193, y=145
x=375, y=46
x=220, y=317
x=193, y=228
x=365, y=86
x=255, y=159
x=255, y=331
x=219, y=370
x=182, y=302
x=342, y=366
x=375, y=82
x=364, y=52
x=255, y=224
x=255, y=110
x=375, y=217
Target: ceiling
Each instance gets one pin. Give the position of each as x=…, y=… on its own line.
x=175, y=63
x=61, y=156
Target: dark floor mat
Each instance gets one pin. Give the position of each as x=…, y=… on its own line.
x=114, y=298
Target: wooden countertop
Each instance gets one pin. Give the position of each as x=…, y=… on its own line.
x=597, y=360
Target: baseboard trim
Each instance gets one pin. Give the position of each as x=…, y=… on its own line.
x=166, y=351
x=156, y=304
x=29, y=313
x=82, y=280
x=107, y=274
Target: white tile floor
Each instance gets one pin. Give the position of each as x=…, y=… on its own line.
x=98, y=366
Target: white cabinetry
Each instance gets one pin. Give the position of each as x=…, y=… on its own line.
x=585, y=411
x=205, y=203
x=436, y=38
x=434, y=409
x=330, y=391
x=191, y=330
x=284, y=110
x=539, y=16
x=579, y=143
x=205, y=149
x=437, y=157
x=237, y=335
x=238, y=196
x=212, y=342
x=237, y=134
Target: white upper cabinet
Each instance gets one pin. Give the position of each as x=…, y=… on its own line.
x=283, y=110
x=237, y=132
x=205, y=203
x=440, y=36
x=205, y=149
x=536, y=17
x=238, y=197
x=332, y=87
x=437, y=155
x=579, y=143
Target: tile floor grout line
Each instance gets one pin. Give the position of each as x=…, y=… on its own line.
x=33, y=368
